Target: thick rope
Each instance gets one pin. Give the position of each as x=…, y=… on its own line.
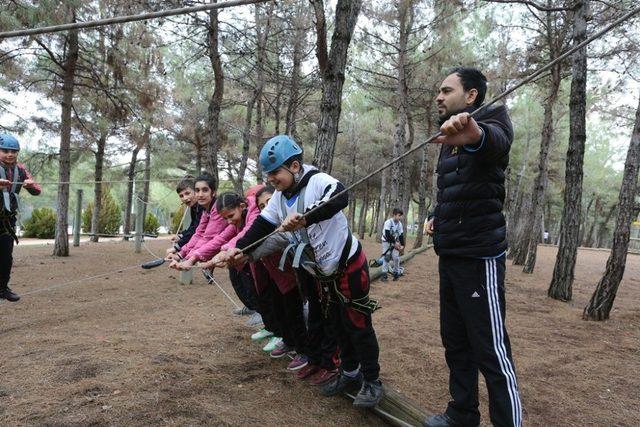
x=473, y=114
x=127, y=18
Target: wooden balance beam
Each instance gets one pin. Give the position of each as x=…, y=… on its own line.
x=398, y=410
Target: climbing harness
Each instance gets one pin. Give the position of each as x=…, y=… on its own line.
x=8, y=216
x=303, y=256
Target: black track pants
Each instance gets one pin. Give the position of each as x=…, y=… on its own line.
x=242, y=282
x=6, y=259
x=474, y=335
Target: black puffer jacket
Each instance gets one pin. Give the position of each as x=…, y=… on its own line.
x=468, y=218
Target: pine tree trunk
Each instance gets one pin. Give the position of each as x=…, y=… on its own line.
x=199, y=148
x=97, y=188
x=600, y=242
x=590, y=236
x=146, y=141
x=534, y=219
x=294, y=91
x=215, y=103
x=422, y=197
x=131, y=175
x=380, y=218
x=362, y=221
x=61, y=246
x=563, y=272
x=374, y=219
x=332, y=66
x=518, y=253
x=601, y=302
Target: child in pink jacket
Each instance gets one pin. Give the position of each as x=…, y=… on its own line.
x=213, y=230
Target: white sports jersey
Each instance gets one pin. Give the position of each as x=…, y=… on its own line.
x=327, y=238
x=395, y=228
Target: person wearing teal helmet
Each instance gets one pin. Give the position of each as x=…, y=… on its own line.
x=308, y=204
x=13, y=177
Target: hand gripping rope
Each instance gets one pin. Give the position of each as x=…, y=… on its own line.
x=535, y=74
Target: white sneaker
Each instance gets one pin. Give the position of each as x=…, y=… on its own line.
x=261, y=334
x=273, y=343
x=254, y=320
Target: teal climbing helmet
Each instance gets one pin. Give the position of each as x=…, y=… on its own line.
x=9, y=142
x=276, y=151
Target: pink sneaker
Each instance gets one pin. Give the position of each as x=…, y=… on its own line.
x=281, y=350
x=298, y=362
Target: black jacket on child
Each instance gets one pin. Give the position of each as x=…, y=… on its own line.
x=186, y=234
x=468, y=219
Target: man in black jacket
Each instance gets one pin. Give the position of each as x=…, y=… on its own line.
x=470, y=236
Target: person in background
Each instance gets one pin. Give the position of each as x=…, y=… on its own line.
x=392, y=244
x=13, y=177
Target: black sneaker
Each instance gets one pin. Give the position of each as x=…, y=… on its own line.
x=384, y=278
x=443, y=420
x=341, y=384
x=370, y=394
x=8, y=295
x=395, y=276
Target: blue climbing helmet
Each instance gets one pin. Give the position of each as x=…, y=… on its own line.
x=9, y=142
x=276, y=151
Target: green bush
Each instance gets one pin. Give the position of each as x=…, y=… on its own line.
x=42, y=224
x=151, y=224
x=110, y=216
x=176, y=218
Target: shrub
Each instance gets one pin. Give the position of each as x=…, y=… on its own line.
x=110, y=216
x=151, y=224
x=176, y=218
x=42, y=224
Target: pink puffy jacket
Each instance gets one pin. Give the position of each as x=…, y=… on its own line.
x=212, y=232
x=252, y=213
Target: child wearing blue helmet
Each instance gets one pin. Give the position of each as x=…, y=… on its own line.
x=322, y=245
x=13, y=177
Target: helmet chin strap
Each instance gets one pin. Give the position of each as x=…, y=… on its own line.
x=296, y=176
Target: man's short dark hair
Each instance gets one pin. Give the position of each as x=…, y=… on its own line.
x=472, y=78
x=186, y=182
x=397, y=211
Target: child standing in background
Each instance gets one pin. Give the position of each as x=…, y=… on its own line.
x=13, y=177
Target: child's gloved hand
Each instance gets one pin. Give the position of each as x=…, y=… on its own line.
x=28, y=183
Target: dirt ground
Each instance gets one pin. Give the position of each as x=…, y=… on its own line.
x=136, y=348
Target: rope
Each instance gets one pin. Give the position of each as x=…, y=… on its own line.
x=149, y=250
x=65, y=284
x=473, y=114
x=127, y=18
x=209, y=277
x=105, y=182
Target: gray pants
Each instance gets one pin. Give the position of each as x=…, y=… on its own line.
x=392, y=256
